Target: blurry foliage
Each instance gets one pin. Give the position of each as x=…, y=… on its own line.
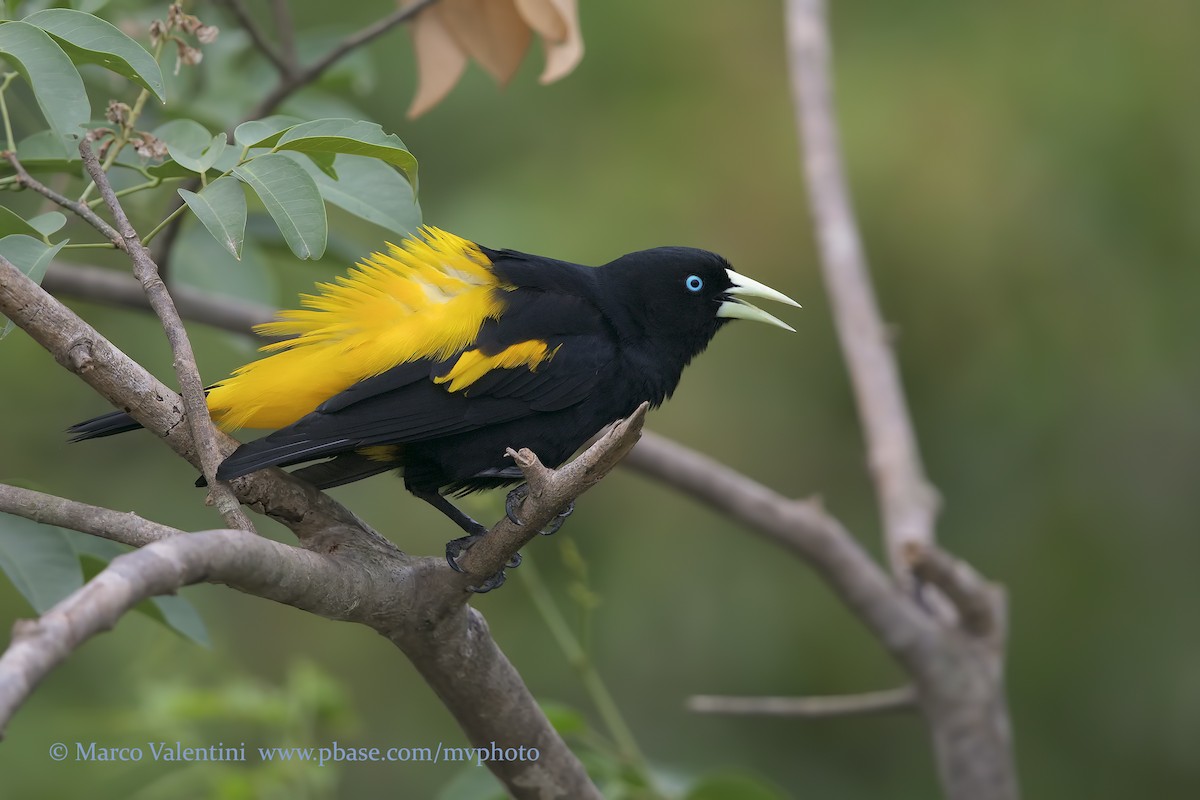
x=1027, y=175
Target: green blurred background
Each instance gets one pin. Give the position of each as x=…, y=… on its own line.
x=1027, y=176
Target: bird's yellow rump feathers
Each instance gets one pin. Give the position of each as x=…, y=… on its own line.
x=426, y=298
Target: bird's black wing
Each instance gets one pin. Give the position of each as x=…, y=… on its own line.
x=413, y=403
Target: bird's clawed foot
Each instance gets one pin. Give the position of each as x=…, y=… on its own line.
x=513, y=502
x=456, y=547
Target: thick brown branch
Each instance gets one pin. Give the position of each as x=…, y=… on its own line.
x=849, y=705
x=187, y=372
x=908, y=501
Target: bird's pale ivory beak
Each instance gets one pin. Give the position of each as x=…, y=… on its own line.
x=736, y=308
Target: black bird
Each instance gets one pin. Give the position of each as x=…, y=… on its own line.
x=436, y=357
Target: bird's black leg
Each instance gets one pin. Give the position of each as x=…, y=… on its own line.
x=513, y=502
x=456, y=547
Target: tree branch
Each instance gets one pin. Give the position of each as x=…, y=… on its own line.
x=959, y=678
x=849, y=705
x=115, y=288
x=907, y=500
x=184, y=360
x=82, y=210
x=975, y=600
x=126, y=528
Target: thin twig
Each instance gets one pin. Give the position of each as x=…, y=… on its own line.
x=307, y=75
x=126, y=528
x=908, y=502
x=849, y=705
x=79, y=209
x=258, y=37
x=184, y=361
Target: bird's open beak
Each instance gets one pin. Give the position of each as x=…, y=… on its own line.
x=736, y=308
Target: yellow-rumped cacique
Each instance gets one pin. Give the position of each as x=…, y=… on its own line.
x=437, y=356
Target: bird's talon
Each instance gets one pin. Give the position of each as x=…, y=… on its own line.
x=514, y=561
x=456, y=547
x=513, y=501
x=557, y=522
x=494, y=582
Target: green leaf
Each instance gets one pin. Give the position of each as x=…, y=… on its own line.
x=201, y=160
x=221, y=207
x=29, y=255
x=291, y=198
x=256, y=131
x=324, y=162
x=39, y=560
x=351, y=137
x=191, y=146
x=733, y=786
x=173, y=611
x=55, y=81
x=90, y=40
x=184, y=135
x=48, y=223
x=370, y=192
x=11, y=223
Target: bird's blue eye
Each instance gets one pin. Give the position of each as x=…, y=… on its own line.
x=694, y=283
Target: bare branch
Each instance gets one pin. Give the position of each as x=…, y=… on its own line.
x=126, y=528
x=959, y=678
x=120, y=289
x=804, y=528
x=849, y=705
x=186, y=370
x=908, y=501
x=974, y=598
x=242, y=560
x=79, y=209
x=260, y=40
x=550, y=491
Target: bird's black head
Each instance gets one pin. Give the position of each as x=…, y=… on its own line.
x=678, y=297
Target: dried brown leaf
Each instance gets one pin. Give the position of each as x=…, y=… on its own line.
x=489, y=31
x=440, y=62
x=545, y=18
x=563, y=55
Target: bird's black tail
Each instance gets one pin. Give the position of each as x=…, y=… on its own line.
x=104, y=425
